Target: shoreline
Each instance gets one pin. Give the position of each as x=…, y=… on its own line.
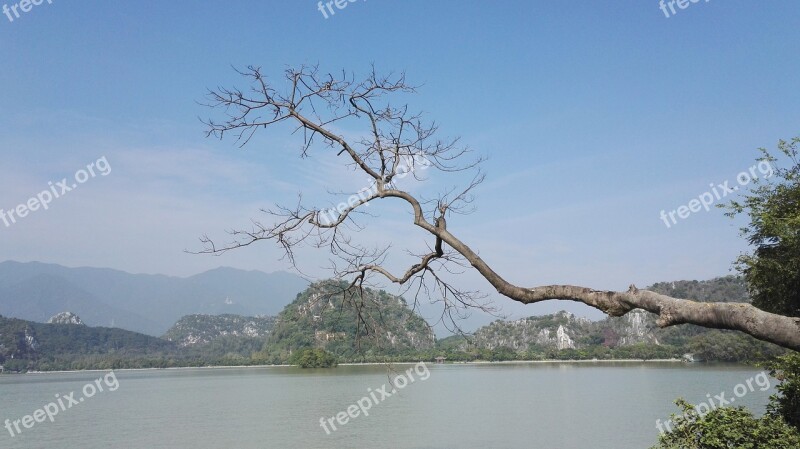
x=511, y=362
x=477, y=362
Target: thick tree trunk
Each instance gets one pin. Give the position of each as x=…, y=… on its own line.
x=781, y=330
x=397, y=135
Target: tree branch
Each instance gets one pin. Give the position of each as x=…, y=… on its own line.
x=395, y=137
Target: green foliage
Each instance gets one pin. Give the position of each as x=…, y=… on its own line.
x=787, y=402
x=196, y=330
x=634, y=336
x=728, y=427
x=356, y=325
x=730, y=346
x=25, y=345
x=226, y=346
x=314, y=358
x=377, y=327
x=721, y=289
x=772, y=271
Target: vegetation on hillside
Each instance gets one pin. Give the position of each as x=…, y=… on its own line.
x=199, y=330
x=26, y=345
x=355, y=326
x=634, y=336
x=379, y=328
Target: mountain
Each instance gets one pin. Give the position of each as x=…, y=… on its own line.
x=40, y=296
x=148, y=304
x=721, y=289
x=28, y=345
x=199, y=330
x=557, y=331
x=353, y=326
x=564, y=330
x=66, y=318
x=374, y=326
x=634, y=333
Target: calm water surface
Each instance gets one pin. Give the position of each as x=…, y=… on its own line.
x=553, y=405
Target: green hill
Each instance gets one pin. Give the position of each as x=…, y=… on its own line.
x=199, y=330
x=25, y=345
x=375, y=326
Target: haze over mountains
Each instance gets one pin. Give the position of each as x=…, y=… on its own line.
x=144, y=303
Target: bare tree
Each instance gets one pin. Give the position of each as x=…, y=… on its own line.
x=397, y=143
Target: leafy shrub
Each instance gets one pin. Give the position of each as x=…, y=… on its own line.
x=787, y=402
x=729, y=427
x=315, y=358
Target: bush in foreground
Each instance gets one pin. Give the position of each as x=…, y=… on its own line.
x=736, y=427
x=729, y=427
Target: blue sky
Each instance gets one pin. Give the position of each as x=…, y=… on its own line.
x=594, y=117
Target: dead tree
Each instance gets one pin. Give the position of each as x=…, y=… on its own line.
x=397, y=143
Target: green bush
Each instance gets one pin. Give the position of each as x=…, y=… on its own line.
x=728, y=427
x=787, y=402
x=315, y=358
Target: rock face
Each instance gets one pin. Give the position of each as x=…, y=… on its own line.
x=197, y=330
x=564, y=330
x=558, y=331
x=18, y=339
x=637, y=327
x=562, y=339
x=65, y=318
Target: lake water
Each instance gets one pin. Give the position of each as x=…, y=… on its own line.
x=542, y=405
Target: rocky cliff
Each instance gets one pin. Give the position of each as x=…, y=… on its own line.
x=566, y=331
x=198, y=330
x=65, y=318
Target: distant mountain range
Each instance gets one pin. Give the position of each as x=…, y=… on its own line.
x=317, y=318
x=374, y=327
x=148, y=304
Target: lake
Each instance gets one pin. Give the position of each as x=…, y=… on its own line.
x=524, y=405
